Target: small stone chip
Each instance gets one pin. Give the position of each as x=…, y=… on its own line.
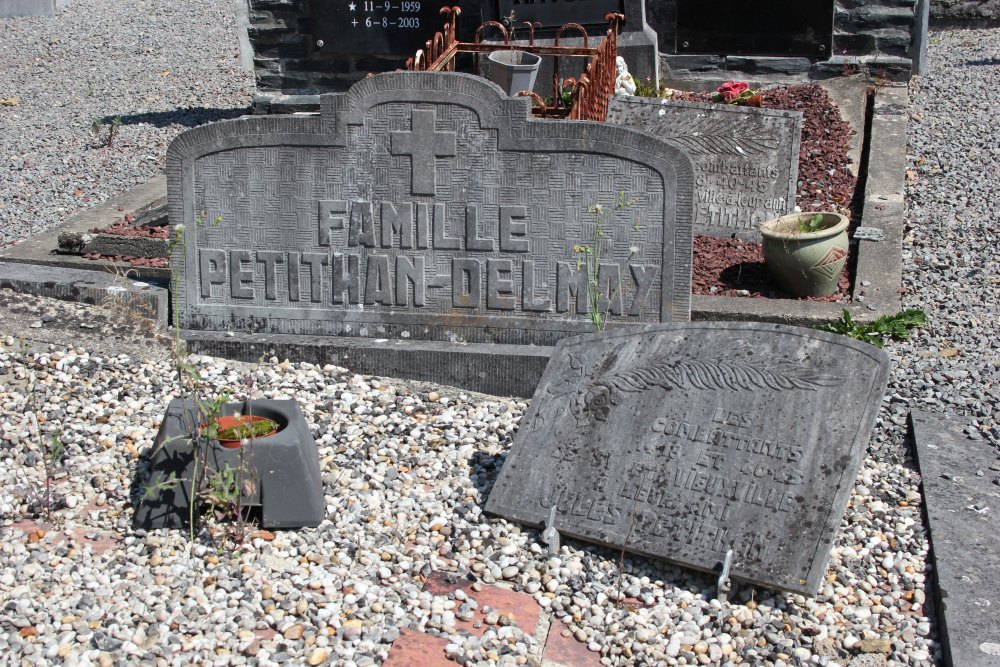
x=318, y=657
x=875, y=645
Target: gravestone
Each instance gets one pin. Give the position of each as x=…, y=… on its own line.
x=686, y=441
x=394, y=29
x=425, y=206
x=746, y=159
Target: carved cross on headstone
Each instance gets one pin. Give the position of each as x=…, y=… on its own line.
x=423, y=144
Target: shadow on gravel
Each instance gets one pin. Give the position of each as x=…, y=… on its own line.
x=984, y=62
x=187, y=117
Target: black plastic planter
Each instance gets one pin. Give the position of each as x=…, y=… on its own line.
x=285, y=466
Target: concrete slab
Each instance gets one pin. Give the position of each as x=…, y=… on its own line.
x=40, y=248
x=21, y=8
x=501, y=370
x=91, y=287
x=850, y=96
x=963, y=521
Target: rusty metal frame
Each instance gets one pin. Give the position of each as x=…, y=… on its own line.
x=590, y=93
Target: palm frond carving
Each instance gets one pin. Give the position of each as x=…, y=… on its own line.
x=597, y=399
x=720, y=374
x=724, y=136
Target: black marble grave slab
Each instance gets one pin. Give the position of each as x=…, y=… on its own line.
x=686, y=441
x=774, y=28
x=383, y=27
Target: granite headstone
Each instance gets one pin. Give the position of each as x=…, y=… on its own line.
x=426, y=206
x=746, y=159
x=686, y=441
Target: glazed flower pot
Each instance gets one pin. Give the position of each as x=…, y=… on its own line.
x=231, y=430
x=806, y=263
x=514, y=71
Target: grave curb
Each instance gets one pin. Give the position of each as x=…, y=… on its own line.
x=23, y=8
x=489, y=368
x=963, y=542
x=38, y=249
x=89, y=287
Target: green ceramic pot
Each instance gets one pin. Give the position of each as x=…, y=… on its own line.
x=806, y=263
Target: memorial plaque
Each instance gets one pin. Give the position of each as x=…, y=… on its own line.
x=746, y=159
x=396, y=28
x=686, y=441
x=555, y=13
x=426, y=206
x=738, y=27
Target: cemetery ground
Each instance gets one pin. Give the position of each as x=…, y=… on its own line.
x=408, y=570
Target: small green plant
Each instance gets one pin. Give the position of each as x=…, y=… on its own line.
x=97, y=127
x=215, y=492
x=222, y=496
x=589, y=258
x=52, y=451
x=813, y=224
x=247, y=430
x=647, y=88
x=887, y=327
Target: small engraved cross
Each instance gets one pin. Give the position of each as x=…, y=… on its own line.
x=423, y=144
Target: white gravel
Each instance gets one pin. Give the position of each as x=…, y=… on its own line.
x=162, y=66
x=407, y=468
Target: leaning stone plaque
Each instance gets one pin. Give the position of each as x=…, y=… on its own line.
x=746, y=159
x=426, y=206
x=686, y=441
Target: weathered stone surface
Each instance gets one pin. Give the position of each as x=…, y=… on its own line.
x=426, y=206
x=960, y=478
x=746, y=159
x=687, y=440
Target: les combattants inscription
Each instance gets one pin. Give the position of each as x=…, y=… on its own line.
x=691, y=441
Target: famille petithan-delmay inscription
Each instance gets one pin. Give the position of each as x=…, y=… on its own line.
x=690, y=441
x=426, y=206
